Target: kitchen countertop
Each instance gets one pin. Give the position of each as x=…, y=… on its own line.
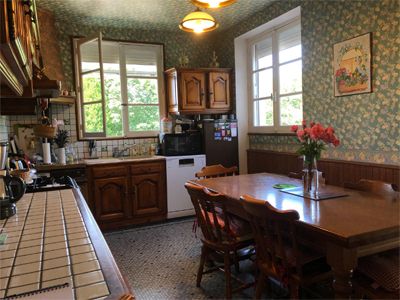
x=53, y=239
x=97, y=161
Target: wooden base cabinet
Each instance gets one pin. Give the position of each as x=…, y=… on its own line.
x=148, y=194
x=198, y=91
x=111, y=199
x=126, y=194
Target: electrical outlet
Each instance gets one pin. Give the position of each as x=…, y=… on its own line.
x=67, y=122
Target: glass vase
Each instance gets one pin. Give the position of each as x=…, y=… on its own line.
x=307, y=174
x=310, y=176
x=315, y=178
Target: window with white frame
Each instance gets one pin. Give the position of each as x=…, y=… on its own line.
x=276, y=79
x=120, y=88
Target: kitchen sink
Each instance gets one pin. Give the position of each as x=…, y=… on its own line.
x=135, y=157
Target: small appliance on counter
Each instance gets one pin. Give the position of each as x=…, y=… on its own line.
x=11, y=188
x=177, y=144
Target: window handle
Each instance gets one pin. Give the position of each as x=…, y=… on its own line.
x=272, y=97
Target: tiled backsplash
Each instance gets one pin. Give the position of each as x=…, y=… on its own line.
x=3, y=128
x=67, y=114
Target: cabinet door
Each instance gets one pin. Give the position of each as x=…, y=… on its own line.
x=219, y=94
x=111, y=198
x=148, y=194
x=192, y=90
x=172, y=90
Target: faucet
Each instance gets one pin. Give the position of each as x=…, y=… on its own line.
x=118, y=153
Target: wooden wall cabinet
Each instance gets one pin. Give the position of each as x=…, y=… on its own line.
x=126, y=194
x=19, y=47
x=198, y=91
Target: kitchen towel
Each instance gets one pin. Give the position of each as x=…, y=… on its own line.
x=46, y=153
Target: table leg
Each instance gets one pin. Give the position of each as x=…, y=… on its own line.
x=343, y=261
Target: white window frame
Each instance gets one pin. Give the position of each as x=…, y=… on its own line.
x=159, y=51
x=275, y=96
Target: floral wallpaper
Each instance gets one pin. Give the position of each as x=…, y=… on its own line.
x=367, y=124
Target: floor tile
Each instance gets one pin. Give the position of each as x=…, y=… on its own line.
x=31, y=236
x=30, y=250
x=8, y=246
x=7, y=254
x=28, y=258
x=58, y=281
x=85, y=267
x=76, y=230
x=6, y=262
x=24, y=279
x=56, y=273
x=30, y=243
x=88, y=278
x=81, y=249
x=5, y=272
x=92, y=291
x=55, y=253
x=79, y=242
x=54, y=233
x=55, y=263
x=23, y=289
x=55, y=246
x=79, y=235
x=27, y=268
x=83, y=257
x=3, y=283
x=33, y=226
x=54, y=239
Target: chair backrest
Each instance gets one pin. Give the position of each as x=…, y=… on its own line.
x=211, y=213
x=376, y=187
x=216, y=171
x=274, y=232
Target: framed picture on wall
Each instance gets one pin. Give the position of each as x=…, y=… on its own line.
x=352, y=66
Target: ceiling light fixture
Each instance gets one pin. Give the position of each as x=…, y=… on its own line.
x=198, y=22
x=212, y=3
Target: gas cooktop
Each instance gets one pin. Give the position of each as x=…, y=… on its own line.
x=48, y=183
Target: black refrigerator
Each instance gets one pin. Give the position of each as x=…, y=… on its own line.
x=220, y=142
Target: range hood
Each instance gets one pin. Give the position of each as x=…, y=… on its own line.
x=43, y=87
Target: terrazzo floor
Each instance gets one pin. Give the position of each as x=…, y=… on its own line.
x=161, y=261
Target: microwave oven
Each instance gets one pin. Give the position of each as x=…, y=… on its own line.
x=176, y=144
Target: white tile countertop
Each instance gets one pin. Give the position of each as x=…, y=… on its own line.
x=53, y=239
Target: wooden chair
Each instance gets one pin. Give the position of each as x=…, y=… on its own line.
x=378, y=276
x=222, y=235
x=216, y=171
x=375, y=187
x=279, y=254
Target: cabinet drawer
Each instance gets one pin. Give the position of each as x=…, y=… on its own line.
x=147, y=168
x=99, y=172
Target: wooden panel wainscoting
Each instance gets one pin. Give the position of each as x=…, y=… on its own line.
x=336, y=172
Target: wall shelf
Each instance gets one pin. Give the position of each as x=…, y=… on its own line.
x=67, y=100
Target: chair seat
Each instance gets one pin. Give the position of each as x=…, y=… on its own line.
x=312, y=263
x=383, y=268
x=238, y=228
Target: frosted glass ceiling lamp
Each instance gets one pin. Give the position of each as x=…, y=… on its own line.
x=212, y=3
x=198, y=22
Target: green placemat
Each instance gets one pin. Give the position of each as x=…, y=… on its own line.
x=284, y=185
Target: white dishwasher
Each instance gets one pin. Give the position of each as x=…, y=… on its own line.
x=179, y=170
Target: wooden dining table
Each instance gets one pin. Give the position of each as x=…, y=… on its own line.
x=346, y=228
